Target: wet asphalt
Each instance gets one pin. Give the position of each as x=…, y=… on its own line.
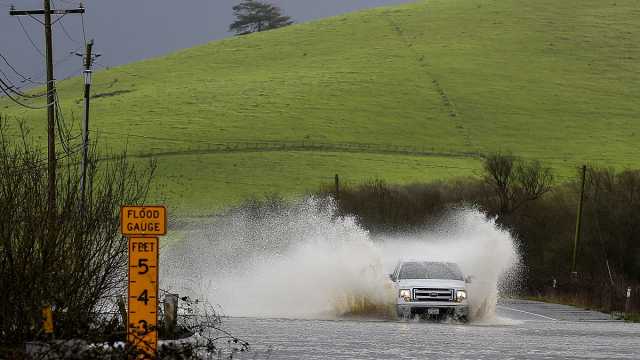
x=521, y=330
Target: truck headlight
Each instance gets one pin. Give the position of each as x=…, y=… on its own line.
x=405, y=294
x=461, y=295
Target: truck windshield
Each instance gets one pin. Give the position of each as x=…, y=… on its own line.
x=430, y=270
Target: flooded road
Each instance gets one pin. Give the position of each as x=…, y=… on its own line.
x=522, y=330
x=270, y=268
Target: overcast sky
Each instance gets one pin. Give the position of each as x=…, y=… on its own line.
x=130, y=30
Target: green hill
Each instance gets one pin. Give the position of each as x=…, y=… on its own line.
x=405, y=93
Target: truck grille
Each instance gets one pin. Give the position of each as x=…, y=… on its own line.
x=428, y=294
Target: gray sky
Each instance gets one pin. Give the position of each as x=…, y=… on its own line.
x=130, y=30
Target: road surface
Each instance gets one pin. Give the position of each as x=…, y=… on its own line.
x=521, y=330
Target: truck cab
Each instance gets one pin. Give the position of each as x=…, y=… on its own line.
x=430, y=289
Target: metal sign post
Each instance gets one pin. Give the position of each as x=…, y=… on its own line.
x=142, y=225
x=47, y=320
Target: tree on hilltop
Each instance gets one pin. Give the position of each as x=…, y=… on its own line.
x=255, y=16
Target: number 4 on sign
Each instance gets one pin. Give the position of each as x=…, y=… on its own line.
x=144, y=297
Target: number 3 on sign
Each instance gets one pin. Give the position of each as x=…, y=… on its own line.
x=143, y=294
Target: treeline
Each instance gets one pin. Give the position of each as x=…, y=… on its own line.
x=541, y=214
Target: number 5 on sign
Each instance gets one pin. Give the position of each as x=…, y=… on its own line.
x=143, y=295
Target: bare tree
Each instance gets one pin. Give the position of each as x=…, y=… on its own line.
x=515, y=181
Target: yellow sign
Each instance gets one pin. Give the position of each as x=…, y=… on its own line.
x=143, y=220
x=143, y=295
x=47, y=320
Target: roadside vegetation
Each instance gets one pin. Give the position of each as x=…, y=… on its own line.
x=555, y=81
x=73, y=266
x=541, y=214
x=77, y=267
x=633, y=317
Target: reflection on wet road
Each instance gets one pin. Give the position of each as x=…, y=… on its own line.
x=522, y=330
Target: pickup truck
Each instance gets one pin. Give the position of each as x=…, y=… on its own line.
x=430, y=289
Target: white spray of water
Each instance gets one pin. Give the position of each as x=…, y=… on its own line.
x=303, y=261
x=483, y=251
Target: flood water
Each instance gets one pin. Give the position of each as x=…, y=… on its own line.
x=258, y=263
x=361, y=339
x=292, y=279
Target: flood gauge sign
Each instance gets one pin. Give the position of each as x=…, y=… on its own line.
x=141, y=225
x=143, y=220
x=143, y=295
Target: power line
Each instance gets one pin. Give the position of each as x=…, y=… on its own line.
x=64, y=29
x=24, y=78
x=7, y=78
x=13, y=88
x=66, y=33
x=10, y=96
x=29, y=37
x=63, y=60
x=35, y=46
x=36, y=19
x=10, y=91
x=62, y=126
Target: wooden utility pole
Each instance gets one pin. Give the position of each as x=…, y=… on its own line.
x=51, y=113
x=88, y=59
x=51, y=101
x=576, y=239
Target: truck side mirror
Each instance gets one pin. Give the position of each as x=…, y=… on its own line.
x=468, y=279
x=392, y=277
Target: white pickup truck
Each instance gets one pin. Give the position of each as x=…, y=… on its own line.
x=430, y=289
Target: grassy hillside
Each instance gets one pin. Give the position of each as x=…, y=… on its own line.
x=556, y=80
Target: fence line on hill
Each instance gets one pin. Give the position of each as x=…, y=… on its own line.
x=271, y=146
x=193, y=146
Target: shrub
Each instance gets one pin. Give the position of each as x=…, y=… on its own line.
x=78, y=264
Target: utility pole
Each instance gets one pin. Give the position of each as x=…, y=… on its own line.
x=51, y=101
x=576, y=239
x=88, y=59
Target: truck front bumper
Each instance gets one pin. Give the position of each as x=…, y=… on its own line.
x=455, y=310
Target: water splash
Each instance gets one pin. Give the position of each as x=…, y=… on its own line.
x=303, y=261
x=482, y=249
